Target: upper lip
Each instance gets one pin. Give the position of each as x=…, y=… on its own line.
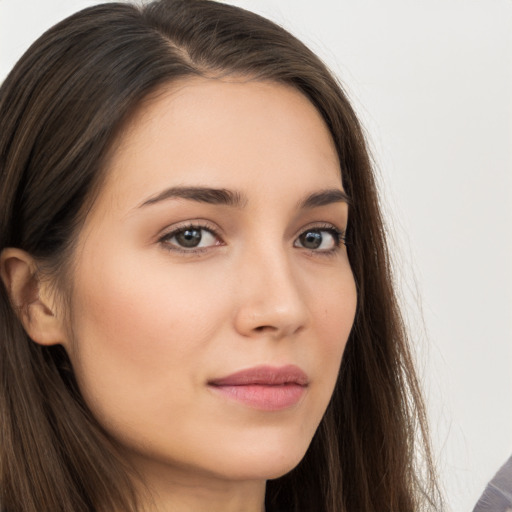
x=264, y=375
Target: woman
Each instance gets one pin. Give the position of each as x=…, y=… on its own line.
x=197, y=306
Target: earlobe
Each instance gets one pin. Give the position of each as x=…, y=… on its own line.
x=31, y=298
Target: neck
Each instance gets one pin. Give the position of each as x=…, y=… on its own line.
x=182, y=492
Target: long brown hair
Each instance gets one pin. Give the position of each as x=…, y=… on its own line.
x=61, y=109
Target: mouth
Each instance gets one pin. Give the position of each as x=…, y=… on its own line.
x=265, y=388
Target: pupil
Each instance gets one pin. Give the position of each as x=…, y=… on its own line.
x=311, y=239
x=189, y=237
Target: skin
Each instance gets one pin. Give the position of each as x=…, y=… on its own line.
x=153, y=323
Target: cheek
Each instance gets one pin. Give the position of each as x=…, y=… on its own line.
x=332, y=300
x=334, y=306
x=334, y=312
x=135, y=333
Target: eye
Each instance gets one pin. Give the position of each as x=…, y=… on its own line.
x=320, y=239
x=190, y=237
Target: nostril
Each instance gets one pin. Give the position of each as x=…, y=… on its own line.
x=263, y=328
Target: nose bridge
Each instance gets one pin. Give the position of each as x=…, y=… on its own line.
x=270, y=298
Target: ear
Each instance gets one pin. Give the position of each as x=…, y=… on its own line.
x=32, y=299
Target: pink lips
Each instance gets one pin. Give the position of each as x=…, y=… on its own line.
x=264, y=387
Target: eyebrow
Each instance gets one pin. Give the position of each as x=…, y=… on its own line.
x=208, y=195
x=235, y=199
x=324, y=198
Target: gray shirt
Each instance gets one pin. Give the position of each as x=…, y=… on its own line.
x=497, y=496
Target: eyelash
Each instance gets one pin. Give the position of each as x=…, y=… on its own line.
x=339, y=237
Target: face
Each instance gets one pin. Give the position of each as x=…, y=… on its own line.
x=212, y=294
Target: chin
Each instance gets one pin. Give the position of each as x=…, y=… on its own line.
x=263, y=463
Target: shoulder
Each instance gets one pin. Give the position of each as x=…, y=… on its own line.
x=497, y=496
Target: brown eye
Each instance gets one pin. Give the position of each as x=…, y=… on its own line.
x=319, y=239
x=311, y=239
x=190, y=237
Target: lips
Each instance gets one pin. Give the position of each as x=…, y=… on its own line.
x=264, y=387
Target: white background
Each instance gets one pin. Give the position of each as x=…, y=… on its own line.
x=432, y=82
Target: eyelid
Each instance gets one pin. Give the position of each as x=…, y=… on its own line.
x=198, y=224
x=323, y=226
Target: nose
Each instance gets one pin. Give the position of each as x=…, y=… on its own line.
x=270, y=302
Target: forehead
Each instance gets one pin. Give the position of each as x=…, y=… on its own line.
x=230, y=133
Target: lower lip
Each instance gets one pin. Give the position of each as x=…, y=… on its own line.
x=263, y=397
